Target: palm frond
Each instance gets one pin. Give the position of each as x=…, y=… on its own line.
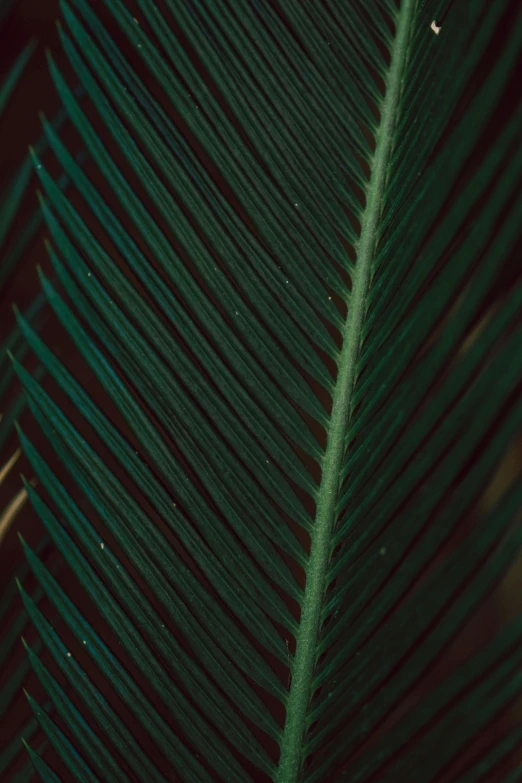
x=294, y=280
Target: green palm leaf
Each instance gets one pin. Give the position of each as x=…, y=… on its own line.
x=300, y=216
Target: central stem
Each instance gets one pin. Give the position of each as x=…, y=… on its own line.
x=311, y=610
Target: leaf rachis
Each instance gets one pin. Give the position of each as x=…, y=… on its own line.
x=320, y=551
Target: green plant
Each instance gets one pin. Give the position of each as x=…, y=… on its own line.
x=306, y=210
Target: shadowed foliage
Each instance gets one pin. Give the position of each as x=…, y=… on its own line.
x=289, y=280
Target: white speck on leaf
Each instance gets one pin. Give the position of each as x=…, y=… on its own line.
x=102, y=545
x=68, y=655
x=435, y=27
